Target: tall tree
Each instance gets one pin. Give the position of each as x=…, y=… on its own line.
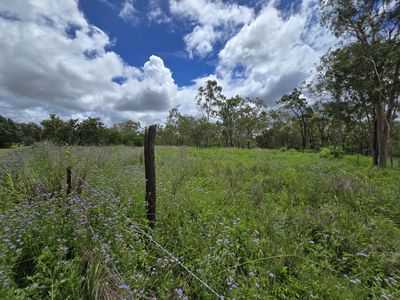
x=228, y=113
x=91, y=131
x=51, y=127
x=374, y=26
x=207, y=98
x=344, y=69
x=31, y=133
x=127, y=132
x=171, y=127
x=281, y=131
x=298, y=105
x=252, y=119
x=9, y=132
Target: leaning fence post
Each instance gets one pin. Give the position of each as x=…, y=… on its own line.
x=150, y=173
x=69, y=180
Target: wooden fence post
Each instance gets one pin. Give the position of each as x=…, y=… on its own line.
x=150, y=173
x=69, y=180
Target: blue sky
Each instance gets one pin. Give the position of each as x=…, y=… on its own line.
x=137, y=59
x=136, y=41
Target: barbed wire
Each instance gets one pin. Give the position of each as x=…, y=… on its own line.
x=150, y=237
x=94, y=236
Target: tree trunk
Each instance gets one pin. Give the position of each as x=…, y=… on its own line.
x=383, y=132
x=340, y=141
x=304, y=137
x=374, y=144
x=340, y=137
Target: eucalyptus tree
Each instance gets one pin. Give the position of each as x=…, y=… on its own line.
x=280, y=131
x=354, y=83
x=372, y=26
x=207, y=99
x=331, y=79
x=170, y=131
x=299, y=107
x=321, y=123
x=228, y=110
x=252, y=119
x=128, y=127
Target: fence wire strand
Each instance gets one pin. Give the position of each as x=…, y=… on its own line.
x=150, y=237
x=94, y=236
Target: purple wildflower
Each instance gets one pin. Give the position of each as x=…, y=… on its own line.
x=123, y=287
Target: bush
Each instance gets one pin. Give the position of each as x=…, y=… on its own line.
x=331, y=151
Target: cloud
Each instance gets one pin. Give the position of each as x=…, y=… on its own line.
x=155, y=13
x=128, y=12
x=151, y=91
x=212, y=21
x=274, y=53
x=108, y=3
x=53, y=60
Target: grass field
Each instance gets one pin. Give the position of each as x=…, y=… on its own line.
x=5, y=152
x=253, y=224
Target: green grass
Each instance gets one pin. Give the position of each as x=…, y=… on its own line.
x=253, y=224
x=5, y=152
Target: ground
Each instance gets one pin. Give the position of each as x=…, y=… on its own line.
x=251, y=224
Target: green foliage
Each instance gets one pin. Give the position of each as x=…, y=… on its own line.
x=90, y=131
x=9, y=132
x=365, y=71
x=237, y=120
x=331, y=151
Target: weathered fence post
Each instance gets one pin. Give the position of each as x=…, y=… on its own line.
x=69, y=180
x=150, y=173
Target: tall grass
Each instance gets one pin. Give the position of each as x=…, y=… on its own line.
x=251, y=223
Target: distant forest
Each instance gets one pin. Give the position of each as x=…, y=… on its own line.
x=226, y=122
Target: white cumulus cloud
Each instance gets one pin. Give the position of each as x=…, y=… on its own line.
x=212, y=20
x=128, y=12
x=53, y=60
x=273, y=54
x=156, y=14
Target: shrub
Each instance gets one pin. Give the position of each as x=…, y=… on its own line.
x=331, y=151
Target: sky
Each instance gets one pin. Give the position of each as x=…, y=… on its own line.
x=137, y=59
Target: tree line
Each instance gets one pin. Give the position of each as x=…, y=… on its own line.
x=90, y=131
x=295, y=123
